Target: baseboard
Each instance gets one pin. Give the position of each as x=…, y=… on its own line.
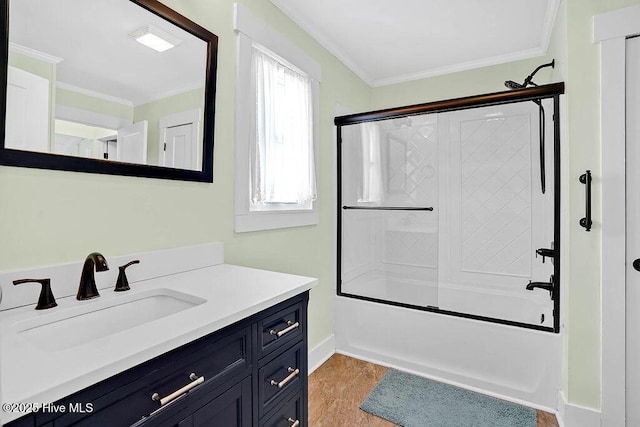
x=320, y=353
x=562, y=408
x=570, y=415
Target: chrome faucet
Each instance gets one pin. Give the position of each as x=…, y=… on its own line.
x=87, y=289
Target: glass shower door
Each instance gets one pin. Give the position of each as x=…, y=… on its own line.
x=499, y=217
x=389, y=212
x=453, y=207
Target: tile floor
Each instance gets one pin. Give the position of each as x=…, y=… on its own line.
x=337, y=388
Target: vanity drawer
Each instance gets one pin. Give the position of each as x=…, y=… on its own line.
x=216, y=361
x=280, y=329
x=280, y=376
x=225, y=358
x=291, y=414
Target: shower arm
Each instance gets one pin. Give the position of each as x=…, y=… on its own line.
x=528, y=80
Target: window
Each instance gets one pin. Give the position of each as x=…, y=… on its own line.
x=276, y=130
x=282, y=171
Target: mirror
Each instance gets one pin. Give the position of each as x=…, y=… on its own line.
x=108, y=86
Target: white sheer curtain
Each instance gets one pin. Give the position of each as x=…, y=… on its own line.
x=372, y=169
x=283, y=169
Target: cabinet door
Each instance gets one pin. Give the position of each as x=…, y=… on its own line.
x=187, y=422
x=231, y=409
x=292, y=413
x=280, y=376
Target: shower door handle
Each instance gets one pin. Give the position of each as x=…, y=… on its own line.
x=636, y=264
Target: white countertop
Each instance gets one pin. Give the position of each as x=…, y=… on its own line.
x=29, y=374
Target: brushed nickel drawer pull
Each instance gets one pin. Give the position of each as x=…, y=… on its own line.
x=290, y=328
x=292, y=374
x=164, y=400
x=295, y=423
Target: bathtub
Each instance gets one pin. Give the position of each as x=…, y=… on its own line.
x=518, y=305
x=512, y=363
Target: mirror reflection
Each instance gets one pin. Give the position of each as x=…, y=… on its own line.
x=104, y=79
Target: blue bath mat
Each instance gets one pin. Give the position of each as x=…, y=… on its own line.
x=413, y=401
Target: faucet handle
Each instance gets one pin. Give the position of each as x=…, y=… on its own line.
x=46, y=299
x=122, y=284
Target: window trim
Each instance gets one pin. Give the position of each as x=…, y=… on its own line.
x=251, y=30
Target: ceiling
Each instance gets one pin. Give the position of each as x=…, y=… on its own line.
x=386, y=42
x=97, y=56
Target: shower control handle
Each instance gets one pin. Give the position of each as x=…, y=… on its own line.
x=545, y=253
x=636, y=264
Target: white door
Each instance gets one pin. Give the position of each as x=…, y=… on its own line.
x=178, y=148
x=633, y=233
x=110, y=149
x=27, y=118
x=132, y=143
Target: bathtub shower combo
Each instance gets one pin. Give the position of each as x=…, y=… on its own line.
x=453, y=208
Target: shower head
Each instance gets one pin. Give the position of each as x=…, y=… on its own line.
x=510, y=84
x=529, y=80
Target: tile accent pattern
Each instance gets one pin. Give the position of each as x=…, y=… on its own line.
x=496, y=195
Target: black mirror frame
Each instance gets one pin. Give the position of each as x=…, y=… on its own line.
x=32, y=159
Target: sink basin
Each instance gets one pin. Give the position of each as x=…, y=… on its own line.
x=80, y=325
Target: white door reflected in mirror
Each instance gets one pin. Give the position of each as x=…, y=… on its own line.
x=132, y=143
x=180, y=136
x=178, y=147
x=27, y=118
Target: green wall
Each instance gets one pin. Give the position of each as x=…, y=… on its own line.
x=94, y=104
x=455, y=85
x=39, y=68
x=583, y=95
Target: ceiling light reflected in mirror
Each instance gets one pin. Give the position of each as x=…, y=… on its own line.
x=155, y=38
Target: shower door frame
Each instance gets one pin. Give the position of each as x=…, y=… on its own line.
x=550, y=91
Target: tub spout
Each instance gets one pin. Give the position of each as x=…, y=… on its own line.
x=549, y=286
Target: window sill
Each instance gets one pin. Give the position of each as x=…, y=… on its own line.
x=257, y=221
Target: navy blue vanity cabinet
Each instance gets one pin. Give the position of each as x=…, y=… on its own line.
x=282, y=365
x=251, y=373
x=293, y=410
x=232, y=408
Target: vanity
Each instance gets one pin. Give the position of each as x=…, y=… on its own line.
x=195, y=342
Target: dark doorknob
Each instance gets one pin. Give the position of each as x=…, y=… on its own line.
x=636, y=264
